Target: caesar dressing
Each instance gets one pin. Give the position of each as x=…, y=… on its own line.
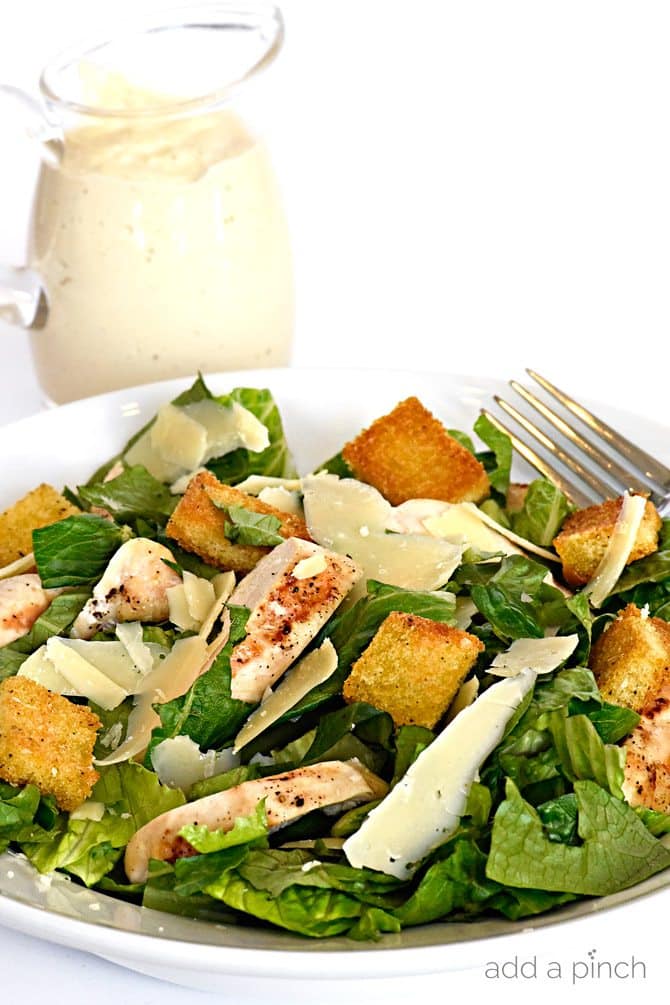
x=163, y=248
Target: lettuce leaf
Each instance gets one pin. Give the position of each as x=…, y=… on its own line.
x=498, y=459
x=132, y=494
x=75, y=551
x=246, y=527
x=544, y=509
x=617, y=850
x=245, y=829
x=89, y=849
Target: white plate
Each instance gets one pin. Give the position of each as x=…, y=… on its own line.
x=321, y=409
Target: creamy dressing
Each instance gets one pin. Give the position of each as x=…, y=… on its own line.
x=163, y=248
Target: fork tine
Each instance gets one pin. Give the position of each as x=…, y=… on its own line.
x=652, y=468
x=603, y=490
x=572, y=491
x=622, y=478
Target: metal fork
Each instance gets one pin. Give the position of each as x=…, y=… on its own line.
x=640, y=473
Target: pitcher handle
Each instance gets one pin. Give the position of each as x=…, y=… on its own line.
x=22, y=299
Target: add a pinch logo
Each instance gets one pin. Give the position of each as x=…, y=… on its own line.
x=590, y=967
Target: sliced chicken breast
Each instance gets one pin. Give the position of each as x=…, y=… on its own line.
x=22, y=600
x=287, y=796
x=133, y=588
x=647, y=770
x=287, y=610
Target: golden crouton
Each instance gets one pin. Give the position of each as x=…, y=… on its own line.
x=47, y=741
x=199, y=526
x=38, y=508
x=631, y=659
x=585, y=535
x=408, y=454
x=412, y=669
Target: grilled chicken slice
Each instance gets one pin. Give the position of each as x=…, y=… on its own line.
x=647, y=770
x=133, y=588
x=287, y=796
x=22, y=600
x=287, y=611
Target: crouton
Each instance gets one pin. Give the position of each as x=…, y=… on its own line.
x=585, y=535
x=198, y=525
x=408, y=454
x=631, y=659
x=42, y=506
x=47, y=741
x=412, y=669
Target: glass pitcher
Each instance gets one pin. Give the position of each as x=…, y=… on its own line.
x=158, y=244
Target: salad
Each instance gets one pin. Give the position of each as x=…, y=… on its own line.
x=399, y=689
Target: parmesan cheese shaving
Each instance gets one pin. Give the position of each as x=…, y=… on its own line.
x=24, y=564
x=424, y=808
x=540, y=655
x=311, y=670
x=199, y=596
x=141, y=723
x=336, y=512
x=618, y=549
x=308, y=567
x=83, y=677
x=465, y=696
x=129, y=634
x=179, y=762
x=178, y=609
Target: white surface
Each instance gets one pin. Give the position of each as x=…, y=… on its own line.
x=471, y=187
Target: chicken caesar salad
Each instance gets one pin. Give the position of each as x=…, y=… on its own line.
x=399, y=689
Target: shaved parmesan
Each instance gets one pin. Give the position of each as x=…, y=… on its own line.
x=178, y=610
x=141, y=723
x=24, y=564
x=540, y=655
x=282, y=499
x=129, y=634
x=424, y=808
x=228, y=427
x=170, y=679
x=178, y=438
x=183, y=438
x=199, y=596
x=86, y=679
x=618, y=549
x=224, y=584
x=142, y=452
x=254, y=484
x=462, y=523
x=465, y=611
x=465, y=696
x=175, y=674
x=351, y=518
x=38, y=667
x=179, y=762
x=311, y=670
x=312, y=566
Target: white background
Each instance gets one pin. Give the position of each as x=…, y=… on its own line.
x=473, y=187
